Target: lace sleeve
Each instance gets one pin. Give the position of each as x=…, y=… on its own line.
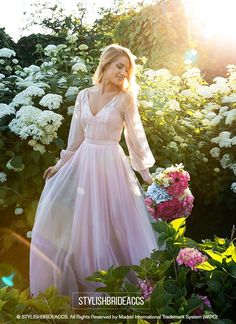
x=140, y=154
x=76, y=135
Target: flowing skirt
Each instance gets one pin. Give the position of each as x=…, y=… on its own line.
x=91, y=215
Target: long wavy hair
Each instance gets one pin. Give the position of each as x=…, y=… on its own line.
x=110, y=54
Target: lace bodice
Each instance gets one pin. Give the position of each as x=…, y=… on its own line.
x=107, y=125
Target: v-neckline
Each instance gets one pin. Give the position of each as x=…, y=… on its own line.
x=104, y=106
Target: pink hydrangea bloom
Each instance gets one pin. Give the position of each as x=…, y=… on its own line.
x=187, y=205
x=190, y=257
x=179, y=182
x=206, y=301
x=150, y=207
x=169, y=210
x=146, y=288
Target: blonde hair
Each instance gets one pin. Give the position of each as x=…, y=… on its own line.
x=110, y=54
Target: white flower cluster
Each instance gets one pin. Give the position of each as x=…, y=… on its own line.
x=233, y=168
x=72, y=91
x=197, y=114
x=83, y=47
x=225, y=161
x=28, y=71
x=229, y=99
x=51, y=101
x=70, y=110
x=191, y=73
x=7, y=52
x=204, y=91
x=6, y=110
x=161, y=73
x=173, y=105
x=233, y=187
x=39, y=125
x=223, y=140
x=79, y=67
x=72, y=38
x=160, y=173
x=3, y=177
x=230, y=116
x=29, y=234
x=19, y=210
x=62, y=81
x=50, y=50
x=24, y=98
x=215, y=152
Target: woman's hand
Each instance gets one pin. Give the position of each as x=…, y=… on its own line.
x=149, y=181
x=147, y=177
x=49, y=172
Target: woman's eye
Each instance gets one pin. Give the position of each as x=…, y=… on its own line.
x=120, y=67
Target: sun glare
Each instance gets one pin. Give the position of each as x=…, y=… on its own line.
x=216, y=18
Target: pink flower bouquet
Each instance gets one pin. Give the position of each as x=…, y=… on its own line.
x=191, y=257
x=169, y=196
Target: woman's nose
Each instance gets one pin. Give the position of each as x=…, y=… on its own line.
x=124, y=73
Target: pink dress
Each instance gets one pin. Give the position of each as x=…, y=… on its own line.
x=91, y=213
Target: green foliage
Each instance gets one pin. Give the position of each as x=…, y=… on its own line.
x=5, y=40
x=14, y=304
x=26, y=48
x=176, y=287
x=158, y=33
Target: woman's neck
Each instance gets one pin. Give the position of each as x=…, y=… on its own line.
x=107, y=88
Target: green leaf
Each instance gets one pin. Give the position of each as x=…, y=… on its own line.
x=205, y=266
x=121, y=272
x=141, y=321
x=214, y=285
x=23, y=296
x=59, y=143
x=163, y=227
x=230, y=252
x=162, y=300
x=32, y=170
x=185, y=241
x=35, y=155
x=214, y=255
x=181, y=279
x=2, y=302
x=161, y=238
x=168, y=310
x=232, y=270
x=178, y=223
x=16, y=161
x=220, y=241
x=192, y=304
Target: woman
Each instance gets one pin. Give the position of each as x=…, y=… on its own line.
x=91, y=213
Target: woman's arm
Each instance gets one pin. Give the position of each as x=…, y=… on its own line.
x=140, y=154
x=76, y=135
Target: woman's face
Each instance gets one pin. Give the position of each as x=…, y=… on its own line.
x=117, y=71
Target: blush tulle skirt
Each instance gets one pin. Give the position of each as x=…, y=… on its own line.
x=91, y=215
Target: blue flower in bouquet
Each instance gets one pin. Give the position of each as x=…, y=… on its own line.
x=157, y=193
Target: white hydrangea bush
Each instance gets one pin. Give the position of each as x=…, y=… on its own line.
x=187, y=120
x=35, y=101
x=31, y=122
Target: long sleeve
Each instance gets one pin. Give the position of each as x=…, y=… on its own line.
x=140, y=154
x=76, y=135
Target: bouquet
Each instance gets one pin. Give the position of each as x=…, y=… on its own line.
x=169, y=196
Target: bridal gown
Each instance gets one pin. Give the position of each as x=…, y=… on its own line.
x=91, y=213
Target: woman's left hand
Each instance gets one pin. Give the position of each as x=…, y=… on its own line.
x=150, y=181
